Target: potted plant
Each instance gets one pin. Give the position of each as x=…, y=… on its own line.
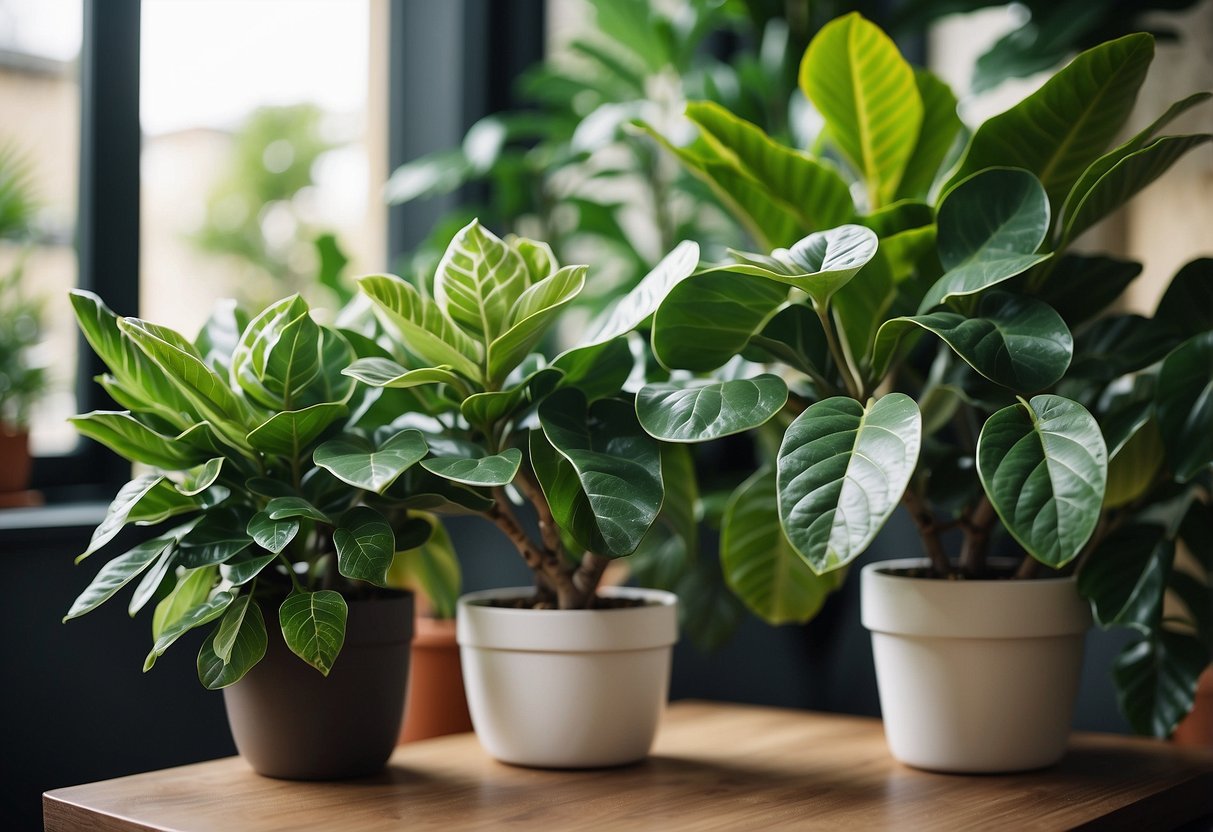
x=22, y=381
x=934, y=343
x=272, y=468
x=561, y=673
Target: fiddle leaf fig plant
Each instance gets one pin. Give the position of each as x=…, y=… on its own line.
x=506, y=423
x=271, y=465
x=942, y=348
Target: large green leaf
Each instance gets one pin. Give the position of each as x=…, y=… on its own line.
x=795, y=337
x=278, y=357
x=1185, y=406
x=819, y=265
x=1126, y=577
x=218, y=537
x=422, y=327
x=597, y=371
x=1133, y=466
x=531, y=316
x=123, y=433
x=357, y=461
x=247, y=648
x=197, y=615
x=1044, y=466
x=138, y=377
x=600, y=471
x=193, y=587
x=760, y=564
x=313, y=626
x=803, y=187
x=990, y=226
x=1065, y=125
x=485, y=409
x=1012, y=340
x=842, y=468
x=116, y=516
x=1187, y=306
x=634, y=308
x=940, y=127
x=116, y=574
x=209, y=394
x=498, y=469
x=218, y=337
x=1122, y=181
x=1156, y=680
x=709, y=318
x=856, y=77
x=700, y=411
x=283, y=508
x=246, y=566
x=365, y=544
x=290, y=432
x=272, y=535
x=228, y=631
x=150, y=583
x=478, y=280
x=1081, y=286
x=382, y=372
x=431, y=568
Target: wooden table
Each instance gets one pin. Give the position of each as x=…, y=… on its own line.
x=715, y=767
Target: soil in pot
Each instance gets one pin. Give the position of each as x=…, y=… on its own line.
x=567, y=688
x=291, y=722
x=436, y=704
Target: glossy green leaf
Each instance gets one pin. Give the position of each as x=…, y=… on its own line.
x=282, y=508
x=1126, y=577
x=601, y=472
x=990, y=226
x=290, y=432
x=1156, y=680
x=861, y=306
x=431, y=568
x=795, y=337
x=272, y=535
x=381, y=372
x=478, y=281
x=531, y=316
x=365, y=544
x=164, y=501
x=486, y=408
x=1012, y=340
x=634, y=308
x=244, y=567
x=819, y=265
x=248, y=648
x=191, y=482
x=218, y=536
x=811, y=191
x=202, y=613
x=1125, y=179
x=1057, y=131
x=1185, y=406
x=940, y=127
x=1044, y=466
x=856, y=77
x=419, y=489
x=359, y=462
x=150, y=583
x=597, y=371
x=313, y=626
x=498, y=469
x=1187, y=305
x=123, y=433
x=228, y=631
x=1133, y=466
x=760, y=564
x=116, y=574
x=709, y=318
x=841, y=470
x=1081, y=286
x=218, y=337
x=278, y=357
x=119, y=510
x=700, y=411
x=192, y=588
x=421, y=326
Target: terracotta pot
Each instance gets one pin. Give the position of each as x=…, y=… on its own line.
x=436, y=704
x=1197, y=728
x=291, y=722
x=567, y=688
x=974, y=676
x=14, y=459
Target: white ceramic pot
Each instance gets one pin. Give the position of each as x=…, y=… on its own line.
x=974, y=676
x=567, y=688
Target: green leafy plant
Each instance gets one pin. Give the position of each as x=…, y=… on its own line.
x=22, y=380
x=501, y=421
x=934, y=342
x=274, y=468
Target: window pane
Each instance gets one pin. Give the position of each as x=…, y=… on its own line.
x=39, y=152
x=254, y=116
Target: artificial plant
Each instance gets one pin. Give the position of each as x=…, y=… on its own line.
x=272, y=465
x=504, y=424
x=943, y=348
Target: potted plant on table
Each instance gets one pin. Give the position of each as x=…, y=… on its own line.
x=943, y=351
x=272, y=468
x=562, y=673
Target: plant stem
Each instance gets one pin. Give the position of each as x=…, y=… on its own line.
x=979, y=525
x=1027, y=569
x=548, y=530
x=588, y=574
x=840, y=359
x=542, y=560
x=290, y=572
x=924, y=519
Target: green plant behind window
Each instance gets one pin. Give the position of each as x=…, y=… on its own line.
x=22, y=381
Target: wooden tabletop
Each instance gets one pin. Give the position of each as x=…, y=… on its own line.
x=715, y=767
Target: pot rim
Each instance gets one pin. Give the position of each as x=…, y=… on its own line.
x=658, y=597
x=879, y=567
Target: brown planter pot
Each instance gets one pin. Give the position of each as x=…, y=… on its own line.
x=436, y=703
x=14, y=459
x=1197, y=728
x=290, y=722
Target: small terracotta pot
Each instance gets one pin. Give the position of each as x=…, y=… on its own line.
x=293, y=723
x=14, y=459
x=1197, y=728
x=436, y=704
